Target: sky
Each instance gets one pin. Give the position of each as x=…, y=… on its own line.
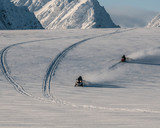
x=131, y=13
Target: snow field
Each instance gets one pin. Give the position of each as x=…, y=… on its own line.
x=125, y=96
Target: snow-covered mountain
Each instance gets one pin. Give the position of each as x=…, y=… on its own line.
x=155, y=22
x=33, y=5
x=65, y=14
x=13, y=17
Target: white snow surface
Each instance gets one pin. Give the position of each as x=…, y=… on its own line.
x=69, y=14
x=117, y=95
x=155, y=22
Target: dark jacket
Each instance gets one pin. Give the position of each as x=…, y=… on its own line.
x=80, y=78
x=123, y=58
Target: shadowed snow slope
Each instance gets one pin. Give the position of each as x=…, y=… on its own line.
x=68, y=14
x=13, y=17
x=125, y=96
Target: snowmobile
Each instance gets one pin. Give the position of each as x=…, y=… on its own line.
x=125, y=59
x=79, y=82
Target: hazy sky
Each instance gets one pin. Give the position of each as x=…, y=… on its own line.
x=131, y=13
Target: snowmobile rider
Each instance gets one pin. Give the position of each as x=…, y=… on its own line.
x=123, y=59
x=80, y=79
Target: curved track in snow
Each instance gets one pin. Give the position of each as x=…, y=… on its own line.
x=5, y=69
x=54, y=64
x=52, y=70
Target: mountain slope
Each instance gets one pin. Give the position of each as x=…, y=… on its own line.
x=155, y=22
x=33, y=5
x=13, y=17
x=66, y=14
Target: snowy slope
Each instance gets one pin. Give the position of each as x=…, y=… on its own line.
x=122, y=96
x=33, y=5
x=65, y=14
x=155, y=22
x=13, y=17
x=82, y=14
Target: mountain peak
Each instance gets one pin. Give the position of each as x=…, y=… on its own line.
x=155, y=22
x=69, y=14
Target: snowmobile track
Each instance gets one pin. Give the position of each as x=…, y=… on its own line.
x=54, y=64
x=6, y=71
x=52, y=70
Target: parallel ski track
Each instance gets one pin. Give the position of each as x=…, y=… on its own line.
x=5, y=69
x=6, y=72
x=54, y=64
